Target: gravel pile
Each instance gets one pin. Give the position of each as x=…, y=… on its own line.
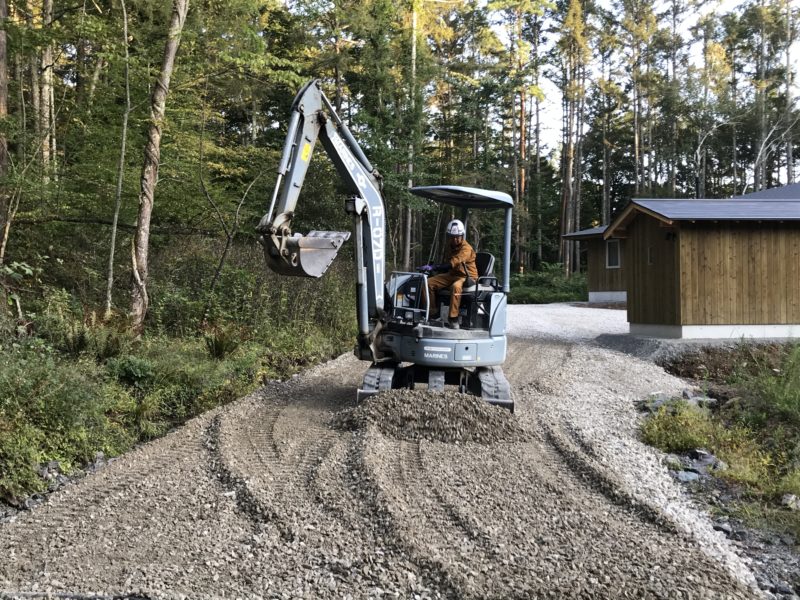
x=447, y=417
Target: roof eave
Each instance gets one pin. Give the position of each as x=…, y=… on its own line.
x=628, y=215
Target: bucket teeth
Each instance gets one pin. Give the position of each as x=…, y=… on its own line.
x=303, y=255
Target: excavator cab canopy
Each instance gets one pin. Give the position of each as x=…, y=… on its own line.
x=467, y=198
x=464, y=197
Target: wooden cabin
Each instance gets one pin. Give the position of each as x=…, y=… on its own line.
x=712, y=268
x=605, y=266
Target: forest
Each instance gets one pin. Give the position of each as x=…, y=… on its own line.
x=139, y=142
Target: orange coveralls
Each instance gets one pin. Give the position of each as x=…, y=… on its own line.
x=462, y=263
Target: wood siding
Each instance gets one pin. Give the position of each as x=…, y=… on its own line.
x=598, y=277
x=744, y=273
x=652, y=288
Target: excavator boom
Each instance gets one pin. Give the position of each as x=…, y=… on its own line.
x=314, y=118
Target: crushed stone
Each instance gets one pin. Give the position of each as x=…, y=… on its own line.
x=419, y=414
x=264, y=498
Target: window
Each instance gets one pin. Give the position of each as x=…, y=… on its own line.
x=613, y=259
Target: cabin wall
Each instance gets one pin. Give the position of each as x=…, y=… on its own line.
x=599, y=278
x=743, y=273
x=651, y=268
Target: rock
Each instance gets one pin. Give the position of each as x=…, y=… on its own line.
x=765, y=584
x=673, y=462
x=686, y=476
x=739, y=535
x=783, y=587
x=719, y=465
x=49, y=469
x=791, y=501
x=34, y=501
x=734, y=404
x=724, y=528
x=654, y=402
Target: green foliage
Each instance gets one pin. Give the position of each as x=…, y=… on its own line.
x=680, y=427
x=53, y=408
x=779, y=389
x=221, y=342
x=756, y=432
x=547, y=285
x=132, y=370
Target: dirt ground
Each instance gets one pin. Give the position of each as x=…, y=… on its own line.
x=267, y=498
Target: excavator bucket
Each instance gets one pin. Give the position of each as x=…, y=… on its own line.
x=303, y=255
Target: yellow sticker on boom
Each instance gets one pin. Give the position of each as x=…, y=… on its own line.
x=306, y=152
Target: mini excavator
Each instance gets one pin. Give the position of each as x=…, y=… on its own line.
x=404, y=347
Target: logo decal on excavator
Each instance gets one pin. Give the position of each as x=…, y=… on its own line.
x=306, y=153
x=377, y=241
x=375, y=214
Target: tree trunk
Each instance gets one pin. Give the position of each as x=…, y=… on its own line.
x=538, y=144
x=98, y=68
x=45, y=107
x=139, y=298
x=409, y=216
x=121, y=164
x=759, y=170
x=789, y=81
x=22, y=117
x=4, y=197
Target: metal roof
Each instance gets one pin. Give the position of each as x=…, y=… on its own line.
x=723, y=210
x=585, y=234
x=734, y=209
x=464, y=197
x=785, y=192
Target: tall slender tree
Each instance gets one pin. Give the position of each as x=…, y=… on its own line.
x=141, y=242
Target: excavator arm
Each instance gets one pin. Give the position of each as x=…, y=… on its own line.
x=313, y=117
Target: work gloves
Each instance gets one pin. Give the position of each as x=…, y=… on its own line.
x=428, y=269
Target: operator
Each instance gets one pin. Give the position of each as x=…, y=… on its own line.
x=460, y=265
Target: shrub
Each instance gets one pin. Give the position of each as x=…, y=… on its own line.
x=681, y=427
x=547, y=285
x=779, y=392
x=55, y=409
x=132, y=370
x=678, y=427
x=75, y=339
x=20, y=456
x=107, y=343
x=221, y=342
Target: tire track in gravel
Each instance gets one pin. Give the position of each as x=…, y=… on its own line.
x=148, y=523
x=266, y=498
x=299, y=471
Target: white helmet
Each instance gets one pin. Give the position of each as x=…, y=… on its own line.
x=455, y=228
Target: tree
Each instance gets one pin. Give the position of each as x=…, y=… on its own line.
x=574, y=53
x=3, y=116
x=139, y=298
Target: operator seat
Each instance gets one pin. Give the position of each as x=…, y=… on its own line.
x=487, y=282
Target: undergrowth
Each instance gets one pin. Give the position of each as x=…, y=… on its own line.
x=547, y=285
x=73, y=385
x=754, y=428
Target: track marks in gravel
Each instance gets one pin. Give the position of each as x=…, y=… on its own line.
x=269, y=498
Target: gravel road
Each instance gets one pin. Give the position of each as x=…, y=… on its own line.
x=269, y=497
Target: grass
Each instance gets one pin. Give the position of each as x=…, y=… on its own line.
x=755, y=428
